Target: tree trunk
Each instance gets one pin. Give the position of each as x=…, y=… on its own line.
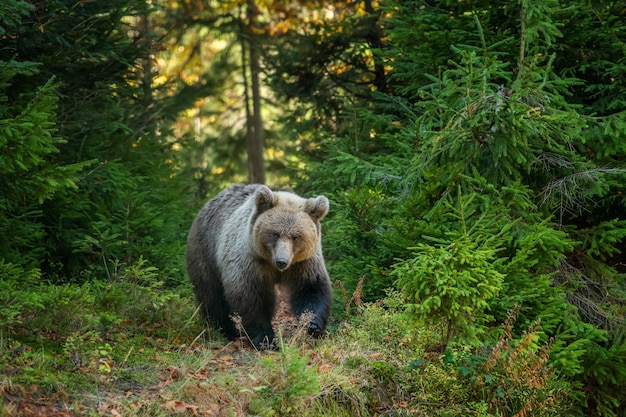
x=374, y=38
x=255, y=133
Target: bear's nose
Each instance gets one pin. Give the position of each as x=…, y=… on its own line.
x=281, y=263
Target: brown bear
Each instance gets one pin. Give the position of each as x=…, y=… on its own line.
x=244, y=242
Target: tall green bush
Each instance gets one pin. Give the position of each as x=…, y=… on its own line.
x=454, y=277
x=29, y=174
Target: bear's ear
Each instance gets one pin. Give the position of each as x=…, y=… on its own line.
x=317, y=207
x=264, y=199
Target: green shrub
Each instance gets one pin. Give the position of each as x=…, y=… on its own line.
x=286, y=385
x=456, y=276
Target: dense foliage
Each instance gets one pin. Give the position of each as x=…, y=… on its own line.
x=100, y=191
x=473, y=152
x=89, y=186
x=490, y=175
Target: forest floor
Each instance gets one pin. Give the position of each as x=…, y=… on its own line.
x=153, y=358
x=31, y=402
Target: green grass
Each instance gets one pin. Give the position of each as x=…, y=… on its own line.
x=126, y=349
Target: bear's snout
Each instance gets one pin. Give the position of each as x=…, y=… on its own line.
x=281, y=263
x=282, y=254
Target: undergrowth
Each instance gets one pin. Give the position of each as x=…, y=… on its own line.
x=133, y=348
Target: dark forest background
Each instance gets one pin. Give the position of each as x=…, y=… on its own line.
x=474, y=153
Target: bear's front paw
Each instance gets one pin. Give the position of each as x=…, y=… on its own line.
x=265, y=342
x=267, y=345
x=315, y=330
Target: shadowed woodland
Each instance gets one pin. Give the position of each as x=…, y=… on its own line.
x=474, y=156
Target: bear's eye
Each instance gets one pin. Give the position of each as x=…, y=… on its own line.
x=275, y=235
x=295, y=237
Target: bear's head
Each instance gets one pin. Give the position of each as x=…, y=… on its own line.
x=285, y=227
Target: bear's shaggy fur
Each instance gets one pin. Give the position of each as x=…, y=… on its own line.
x=248, y=239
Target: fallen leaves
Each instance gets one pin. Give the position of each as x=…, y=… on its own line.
x=181, y=407
x=22, y=402
x=324, y=367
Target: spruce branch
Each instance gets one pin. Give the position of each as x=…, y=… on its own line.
x=570, y=194
x=588, y=295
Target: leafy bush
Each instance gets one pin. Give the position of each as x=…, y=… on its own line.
x=29, y=173
x=16, y=294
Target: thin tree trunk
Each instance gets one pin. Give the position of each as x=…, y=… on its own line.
x=243, y=36
x=373, y=37
x=255, y=133
x=142, y=25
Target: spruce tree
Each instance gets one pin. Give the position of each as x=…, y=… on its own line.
x=30, y=174
x=481, y=99
x=129, y=203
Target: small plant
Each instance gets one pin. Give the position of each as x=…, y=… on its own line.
x=455, y=278
x=137, y=294
x=14, y=298
x=88, y=353
x=286, y=384
x=65, y=308
x=356, y=298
